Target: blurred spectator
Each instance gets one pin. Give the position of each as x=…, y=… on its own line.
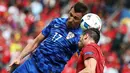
x=126, y=3
x=112, y=63
x=126, y=61
x=50, y=3
x=29, y=20
x=6, y=33
x=108, y=34
x=63, y=3
x=125, y=22
x=36, y=8
x=110, y=5
x=15, y=46
x=122, y=30
x=4, y=53
x=3, y=7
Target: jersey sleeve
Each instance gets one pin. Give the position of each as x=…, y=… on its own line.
x=46, y=30
x=89, y=52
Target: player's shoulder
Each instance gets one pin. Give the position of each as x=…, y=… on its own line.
x=77, y=31
x=60, y=20
x=92, y=46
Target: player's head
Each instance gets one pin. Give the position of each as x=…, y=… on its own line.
x=75, y=14
x=91, y=35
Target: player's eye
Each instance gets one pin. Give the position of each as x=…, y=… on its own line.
x=71, y=15
x=76, y=18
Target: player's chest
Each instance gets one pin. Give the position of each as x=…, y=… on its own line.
x=62, y=35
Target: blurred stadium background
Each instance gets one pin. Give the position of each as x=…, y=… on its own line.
x=23, y=20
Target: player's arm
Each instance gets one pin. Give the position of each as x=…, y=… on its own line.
x=29, y=48
x=90, y=66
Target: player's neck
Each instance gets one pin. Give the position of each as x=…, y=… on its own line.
x=89, y=41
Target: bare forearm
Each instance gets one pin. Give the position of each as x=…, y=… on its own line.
x=86, y=70
x=31, y=46
x=27, y=50
x=90, y=66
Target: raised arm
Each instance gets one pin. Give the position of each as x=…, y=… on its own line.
x=28, y=49
x=90, y=66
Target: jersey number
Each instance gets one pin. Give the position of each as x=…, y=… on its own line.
x=56, y=37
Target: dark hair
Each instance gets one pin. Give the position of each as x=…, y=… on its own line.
x=93, y=33
x=80, y=7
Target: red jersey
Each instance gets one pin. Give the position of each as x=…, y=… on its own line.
x=93, y=51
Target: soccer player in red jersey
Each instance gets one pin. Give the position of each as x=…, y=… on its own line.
x=91, y=59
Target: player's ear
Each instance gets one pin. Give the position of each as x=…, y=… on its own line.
x=86, y=36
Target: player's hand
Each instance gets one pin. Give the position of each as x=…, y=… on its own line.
x=85, y=70
x=16, y=61
x=14, y=64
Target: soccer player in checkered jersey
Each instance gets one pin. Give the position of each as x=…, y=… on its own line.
x=54, y=46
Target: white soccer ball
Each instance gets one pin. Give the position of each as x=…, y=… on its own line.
x=90, y=20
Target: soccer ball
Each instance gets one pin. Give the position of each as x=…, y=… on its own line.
x=91, y=20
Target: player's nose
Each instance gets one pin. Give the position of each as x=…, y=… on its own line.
x=71, y=19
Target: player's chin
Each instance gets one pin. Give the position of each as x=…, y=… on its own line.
x=71, y=27
x=80, y=45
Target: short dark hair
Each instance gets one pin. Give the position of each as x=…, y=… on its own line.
x=80, y=7
x=93, y=33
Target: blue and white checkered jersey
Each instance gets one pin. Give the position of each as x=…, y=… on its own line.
x=56, y=49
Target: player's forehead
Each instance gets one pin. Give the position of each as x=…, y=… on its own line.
x=75, y=14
